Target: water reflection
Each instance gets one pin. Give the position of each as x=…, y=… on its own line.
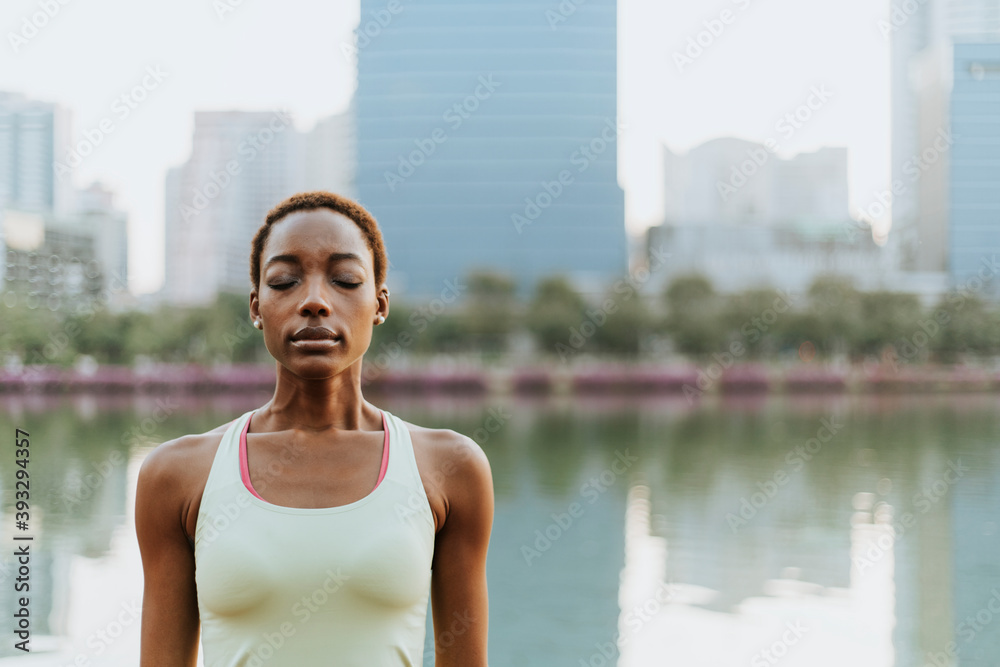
x=636, y=531
x=794, y=621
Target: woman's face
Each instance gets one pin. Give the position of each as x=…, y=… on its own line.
x=317, y=272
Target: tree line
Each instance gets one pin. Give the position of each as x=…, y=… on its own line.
x=688, y=318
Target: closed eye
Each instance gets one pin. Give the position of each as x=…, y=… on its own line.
x=342, y=283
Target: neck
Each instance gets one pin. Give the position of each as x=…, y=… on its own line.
x=318, y=405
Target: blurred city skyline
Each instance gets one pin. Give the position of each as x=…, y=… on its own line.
x=764, y=62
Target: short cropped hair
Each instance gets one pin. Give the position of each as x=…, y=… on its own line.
x=308, y=201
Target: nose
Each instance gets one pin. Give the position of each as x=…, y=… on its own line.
x=315, y=301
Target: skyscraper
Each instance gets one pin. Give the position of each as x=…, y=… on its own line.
x=487, y=138
x=241, y=164
x=923, y=40
x=974, y=204
x=97, y=216
x=329, y=153
x=32, y=135
x=738, y=182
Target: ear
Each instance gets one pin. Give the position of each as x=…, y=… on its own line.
x=382, y=301
x=254, y=305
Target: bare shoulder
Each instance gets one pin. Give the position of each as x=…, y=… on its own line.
x=448, y=450
x=173, y=474
x=172, y=460
x=454, y=469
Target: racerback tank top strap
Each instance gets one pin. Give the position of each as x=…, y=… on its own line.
x=296, y=587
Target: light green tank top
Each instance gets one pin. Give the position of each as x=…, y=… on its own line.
x=310, y=587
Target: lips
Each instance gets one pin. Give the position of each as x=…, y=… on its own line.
x=314, y=333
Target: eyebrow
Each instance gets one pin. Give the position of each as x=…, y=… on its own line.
x=294, y=259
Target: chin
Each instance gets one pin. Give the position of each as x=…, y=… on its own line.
x=315, y=366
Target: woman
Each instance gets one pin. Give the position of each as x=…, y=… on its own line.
x=312, y=530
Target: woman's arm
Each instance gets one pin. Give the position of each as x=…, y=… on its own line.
x=170, y=623
x=459, y=601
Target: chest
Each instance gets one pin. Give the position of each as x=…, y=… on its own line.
x=312, y=472
x=298, y=476
x=251, y=560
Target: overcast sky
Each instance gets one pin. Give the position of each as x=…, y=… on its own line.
x=766, y=58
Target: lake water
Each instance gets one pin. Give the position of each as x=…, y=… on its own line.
x=792, y=530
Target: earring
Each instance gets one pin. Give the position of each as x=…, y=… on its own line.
x=257, y=324
x=387, y=292
x=381, y=319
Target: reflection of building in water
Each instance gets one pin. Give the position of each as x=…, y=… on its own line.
x=934, y=558
x=85, y=581
x=712, y=529
x=78, y=513
x=797, y=622
x=973, y=509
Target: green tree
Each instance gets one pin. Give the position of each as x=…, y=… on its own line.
x=489, y=313
x=102, y=335
x=693, y=315
x=623, y=321
x=962, y=325
x=399, y=335
x=757, y=318
x=35, y=335
x=554, y=309
x=887, y=318
x=831, y=318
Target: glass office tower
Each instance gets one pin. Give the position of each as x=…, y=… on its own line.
x=487, y=138
x=974, y=234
